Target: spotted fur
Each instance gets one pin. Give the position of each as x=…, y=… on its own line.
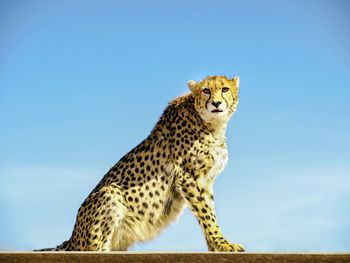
x=176, y=165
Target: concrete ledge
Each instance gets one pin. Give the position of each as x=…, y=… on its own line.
x=121, y=257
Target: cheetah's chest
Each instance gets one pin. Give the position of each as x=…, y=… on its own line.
x=220, y=158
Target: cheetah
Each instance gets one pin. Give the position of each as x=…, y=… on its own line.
x=175, y=166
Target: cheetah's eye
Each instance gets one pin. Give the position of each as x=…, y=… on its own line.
x=206, y=91
x=225, y=89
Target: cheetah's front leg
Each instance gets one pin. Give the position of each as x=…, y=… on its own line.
x=201, y=204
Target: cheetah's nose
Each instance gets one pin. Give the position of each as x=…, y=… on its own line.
x=216, y=103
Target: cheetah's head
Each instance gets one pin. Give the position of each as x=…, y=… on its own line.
x=216, y=97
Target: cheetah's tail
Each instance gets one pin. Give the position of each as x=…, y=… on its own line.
x=46, y=249
x=61, y=247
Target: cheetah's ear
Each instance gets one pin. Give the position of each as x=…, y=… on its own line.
x=192, y=85
x=236, y=81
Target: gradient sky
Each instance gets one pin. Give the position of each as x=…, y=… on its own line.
x=82, y=82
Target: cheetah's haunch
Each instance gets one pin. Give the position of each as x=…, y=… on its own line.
x=174, y=166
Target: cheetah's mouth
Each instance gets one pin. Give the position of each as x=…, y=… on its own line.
x=216, y=111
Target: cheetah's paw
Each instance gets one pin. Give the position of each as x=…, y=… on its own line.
x=231, y=248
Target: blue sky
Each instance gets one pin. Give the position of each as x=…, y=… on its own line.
x=82, y=82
